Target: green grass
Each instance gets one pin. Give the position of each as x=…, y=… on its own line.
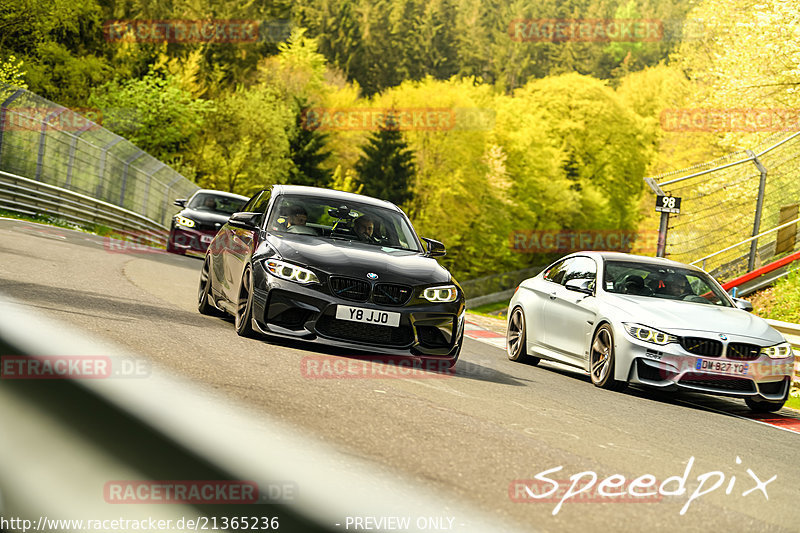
x=781, y=301
x=486, y=309
x=794, y=399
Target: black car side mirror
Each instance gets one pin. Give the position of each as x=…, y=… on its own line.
x=245, y=219
x=580, y=285
x=180, y=202
x=743, y=304
x=435, y=248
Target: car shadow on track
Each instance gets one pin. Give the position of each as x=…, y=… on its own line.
x=353, y=363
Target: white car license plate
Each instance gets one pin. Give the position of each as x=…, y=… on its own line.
x=367, y=316
x=726, y=367
x=206, y=239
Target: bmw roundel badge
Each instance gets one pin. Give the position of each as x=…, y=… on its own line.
x=372, y=275
x=723, y=336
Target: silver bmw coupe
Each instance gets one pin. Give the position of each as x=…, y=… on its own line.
x=650, y=321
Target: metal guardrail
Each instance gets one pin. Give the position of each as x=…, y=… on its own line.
x=31, y=197
x=792, y=334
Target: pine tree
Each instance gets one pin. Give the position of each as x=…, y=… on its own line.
x=307, y=152
x=386, y=168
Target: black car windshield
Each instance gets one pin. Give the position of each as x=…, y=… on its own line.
x=331, y=218
x=216, y=203
x=662, y=281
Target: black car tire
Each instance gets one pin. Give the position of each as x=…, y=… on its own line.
x=516, y=347
x=766, y=406
x=244, y=305
x=602, y=360
x=204, y=291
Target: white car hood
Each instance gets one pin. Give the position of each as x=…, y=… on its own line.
x=672, y=315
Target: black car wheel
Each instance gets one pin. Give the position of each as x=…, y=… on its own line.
x=602, y=361
x=766, y=406
x=204, y=291
x=516, y=337
x=244, y=305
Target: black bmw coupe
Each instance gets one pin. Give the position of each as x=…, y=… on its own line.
x=333, y=267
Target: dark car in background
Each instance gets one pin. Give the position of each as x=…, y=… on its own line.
x=203, y=214
x=335, y=267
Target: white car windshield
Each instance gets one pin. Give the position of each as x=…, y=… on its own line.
x=662, y=281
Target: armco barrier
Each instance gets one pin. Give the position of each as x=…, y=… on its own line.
x=26, y=196
x=792, y=334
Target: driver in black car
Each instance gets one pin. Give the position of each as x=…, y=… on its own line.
x=364, y=228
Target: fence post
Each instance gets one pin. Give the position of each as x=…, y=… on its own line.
x=3, y=107
x=663, y=225
x=42, y=138
x=128, y=162
x=762, y=184
x=72, y=147
x=101, y=167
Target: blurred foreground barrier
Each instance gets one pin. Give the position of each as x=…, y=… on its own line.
x=72, y=449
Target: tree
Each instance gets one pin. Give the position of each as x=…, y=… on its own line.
x=386, y=169
x=307, y=152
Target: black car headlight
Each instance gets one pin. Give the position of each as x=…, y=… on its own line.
x=290, y=272
x=183, y=221
x=441, y=294
x=779, y=351
x=643, y=333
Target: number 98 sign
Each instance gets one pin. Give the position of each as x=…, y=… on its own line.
x=668, y=204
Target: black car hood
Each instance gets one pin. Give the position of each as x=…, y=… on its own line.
x=206, y=217
x=356, y=259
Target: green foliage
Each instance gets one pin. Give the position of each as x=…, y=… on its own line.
x=386, y=168
x=246, y=145
x=153, y=112
x=781, y=301
x=11, y=72
x=307, y=152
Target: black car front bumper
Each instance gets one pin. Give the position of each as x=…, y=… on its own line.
x=308, y=312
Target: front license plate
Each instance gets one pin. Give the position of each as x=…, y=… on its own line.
x=367, y=316
x=206, y=239
x=726, y=367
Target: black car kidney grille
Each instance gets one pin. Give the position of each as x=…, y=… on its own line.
x=742, y=352
x=350, y=289
x=371, y=333
x=387, y=294
x=701, y=346
x=718, y=382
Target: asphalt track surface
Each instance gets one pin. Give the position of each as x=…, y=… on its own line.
x=470, y=436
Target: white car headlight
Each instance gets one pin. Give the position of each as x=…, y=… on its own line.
x=643, y=333
x=443, y=294
x=779, y=351
x=291, y=272
x=183, y=221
